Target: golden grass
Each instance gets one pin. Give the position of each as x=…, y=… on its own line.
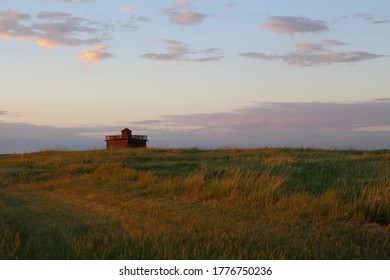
x=195, y=204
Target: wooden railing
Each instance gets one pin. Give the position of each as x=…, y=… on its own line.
x=139, y=137
x=119, y=137
x=113, y=137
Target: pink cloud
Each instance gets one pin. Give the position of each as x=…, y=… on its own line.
x=181, y=4
x=259, y=55
x=355, y=124
x=373, y=18
x=303, y=59
x=331, y=42
x=186, y=17
x=12, y=25
x=56, y=29
x=229, y=5
x=308, y=47
x=176, y=47
x=179, y=13
x=127, y=9
x=178, y=51
x=291, y=25
x=97, y=53
x=312, y=54
x=363, y=125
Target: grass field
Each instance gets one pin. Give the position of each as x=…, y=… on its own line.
x=195, y=204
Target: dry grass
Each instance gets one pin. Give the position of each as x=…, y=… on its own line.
x=195, y=204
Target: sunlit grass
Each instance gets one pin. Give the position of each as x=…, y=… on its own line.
x=195, y=204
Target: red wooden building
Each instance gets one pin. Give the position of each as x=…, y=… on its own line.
x=126, y=140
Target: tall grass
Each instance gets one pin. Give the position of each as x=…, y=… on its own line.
x=195, y=204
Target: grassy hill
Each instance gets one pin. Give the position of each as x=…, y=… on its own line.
x=195, y=204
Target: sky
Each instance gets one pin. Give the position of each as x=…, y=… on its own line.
x=187, y=73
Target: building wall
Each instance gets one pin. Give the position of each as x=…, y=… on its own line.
x=123, y=143
x=137, y=143
x=126, y=134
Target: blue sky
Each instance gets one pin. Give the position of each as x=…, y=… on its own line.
x=195, y=73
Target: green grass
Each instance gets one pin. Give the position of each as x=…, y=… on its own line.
x=195, y=204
